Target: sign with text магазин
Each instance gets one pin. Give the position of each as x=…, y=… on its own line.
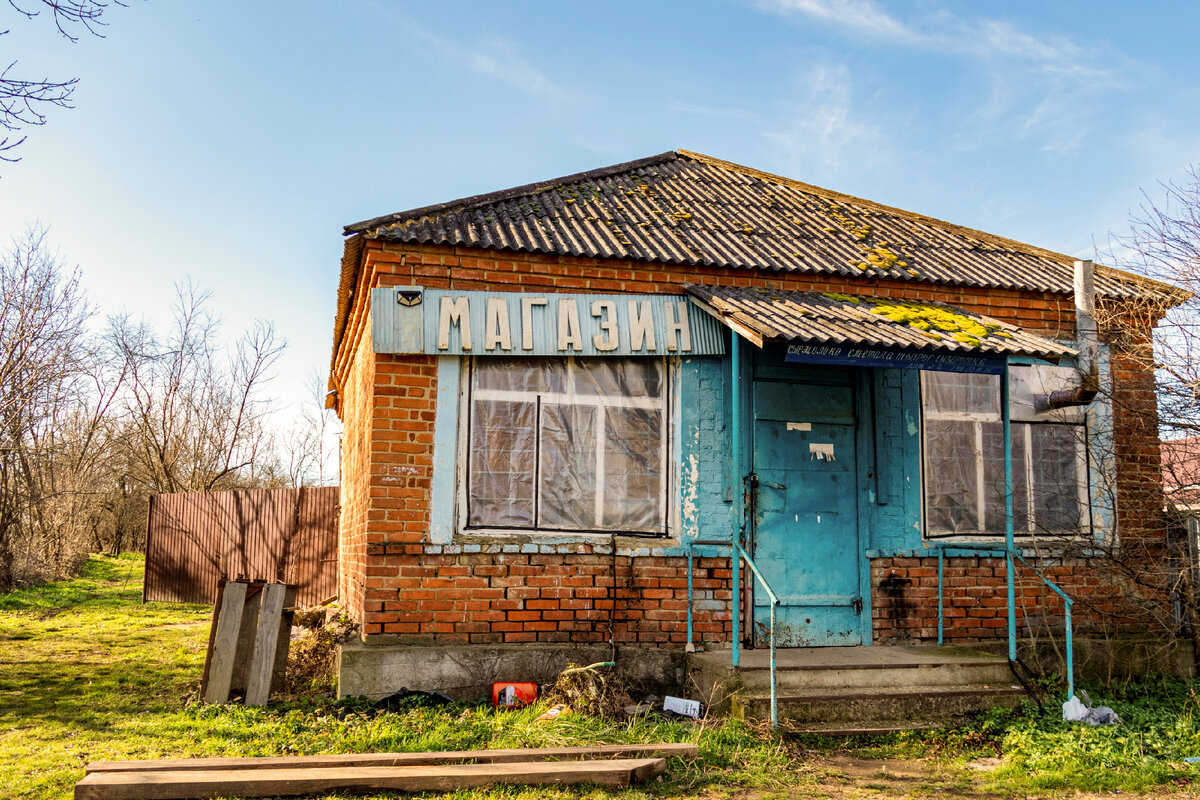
x=446, y=322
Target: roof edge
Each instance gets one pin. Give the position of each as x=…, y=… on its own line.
x=506, y=194
x=849, y=198
x=1174, y=292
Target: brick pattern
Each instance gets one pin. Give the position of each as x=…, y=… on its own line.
x=405, y=589
x=975, y=600
x=451, y=596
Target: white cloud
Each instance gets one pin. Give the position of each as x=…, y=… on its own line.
x=715, y=111
x=859, y=15
x=943, y=32
x=1041, y=87
x=497, y=58
x=823, y=128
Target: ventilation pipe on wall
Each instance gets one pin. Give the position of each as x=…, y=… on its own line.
x=1087, y=341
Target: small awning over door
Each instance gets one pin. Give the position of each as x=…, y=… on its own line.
x=829, y=328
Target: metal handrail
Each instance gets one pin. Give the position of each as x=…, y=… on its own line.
x=999, y=552
x=774, y=602
x=742, y=555
x=1067, y=603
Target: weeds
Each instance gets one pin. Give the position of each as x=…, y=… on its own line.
x=87, y=673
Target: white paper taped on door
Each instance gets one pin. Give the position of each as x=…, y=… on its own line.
x=821, y=452
x=799, y=426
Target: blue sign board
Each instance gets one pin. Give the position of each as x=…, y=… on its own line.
x=449, y=322
x=861, y=356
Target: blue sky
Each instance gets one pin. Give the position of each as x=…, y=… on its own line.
x=230, y=141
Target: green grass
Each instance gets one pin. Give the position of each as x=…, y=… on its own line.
x=1160, y=727
x=87, y=673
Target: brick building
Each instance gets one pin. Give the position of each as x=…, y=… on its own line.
x=554, y=394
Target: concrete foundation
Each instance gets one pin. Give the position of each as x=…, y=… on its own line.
x=1103, y=660
x=467, y=672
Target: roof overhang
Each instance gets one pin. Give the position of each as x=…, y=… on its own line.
x=873, y=331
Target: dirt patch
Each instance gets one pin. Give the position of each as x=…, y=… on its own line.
x=840, y=776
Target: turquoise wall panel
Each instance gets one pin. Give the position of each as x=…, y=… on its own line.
x=704, y=510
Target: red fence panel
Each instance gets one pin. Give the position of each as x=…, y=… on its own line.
x=278, y=535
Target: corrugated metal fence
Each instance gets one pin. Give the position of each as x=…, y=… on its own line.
x=277, y=535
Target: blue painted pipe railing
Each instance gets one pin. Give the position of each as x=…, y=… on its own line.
x=996, y=552
x=738, y=555
x=774, y=603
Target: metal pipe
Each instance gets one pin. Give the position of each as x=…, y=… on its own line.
x=741, y=554
x=691, y=642
x=1087, y=341
x=941, y=560
x=1067, y=604
x=1070, y=649
x=774, y=697
x=739, y=500
x=1006, y=421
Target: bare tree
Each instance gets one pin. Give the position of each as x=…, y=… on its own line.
x=44, y=364
x=23, y=100
x=309, y=446
x=194, y=414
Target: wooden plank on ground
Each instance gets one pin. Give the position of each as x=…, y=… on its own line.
x=212, y=636
x=245, y=643
x=229, y=625
x=660, y=750
x=266, y=642
x=185, y=785
x=285, y=633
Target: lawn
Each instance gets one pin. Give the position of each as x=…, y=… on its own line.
x=89, y=673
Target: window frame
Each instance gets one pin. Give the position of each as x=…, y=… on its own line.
x=667, y=404
x=1031, y=531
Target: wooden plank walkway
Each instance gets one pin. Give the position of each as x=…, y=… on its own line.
x=187, y=784
x=662, y=750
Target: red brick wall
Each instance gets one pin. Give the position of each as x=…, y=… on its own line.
x=445, y=595
x=404, y=588
x=975, y=600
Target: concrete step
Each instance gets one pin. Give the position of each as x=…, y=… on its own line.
x=877, y=727
x=926, y=705
x=798, y=679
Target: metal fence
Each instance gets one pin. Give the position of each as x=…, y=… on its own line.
x=277, y=535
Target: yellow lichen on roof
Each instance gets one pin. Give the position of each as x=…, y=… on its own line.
x=933, y=321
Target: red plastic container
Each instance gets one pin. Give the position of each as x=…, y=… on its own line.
x=513, y=694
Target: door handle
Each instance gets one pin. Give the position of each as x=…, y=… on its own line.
x=773, y=485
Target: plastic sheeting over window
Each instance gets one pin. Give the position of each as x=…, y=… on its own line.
x=568, y=444
x=963, y=444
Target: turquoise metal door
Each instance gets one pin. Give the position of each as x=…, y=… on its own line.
x=805, y=513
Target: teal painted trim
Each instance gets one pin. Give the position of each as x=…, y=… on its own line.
x=1006, y=424
x=941, y=615
x=865, y=459
x=675, y=460
x=1102, y=469
x=910, y=436
x=395, y=328
x=445, y=447
x=737, y=414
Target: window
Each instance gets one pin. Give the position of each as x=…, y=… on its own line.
x=963, y=451
x=568, y=444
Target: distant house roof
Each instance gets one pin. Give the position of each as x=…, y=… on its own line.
x=817, y=318
x=1181, y=471
x=685, y=208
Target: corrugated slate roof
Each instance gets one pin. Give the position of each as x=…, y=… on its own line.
x=837, y=319
x=686, y=208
